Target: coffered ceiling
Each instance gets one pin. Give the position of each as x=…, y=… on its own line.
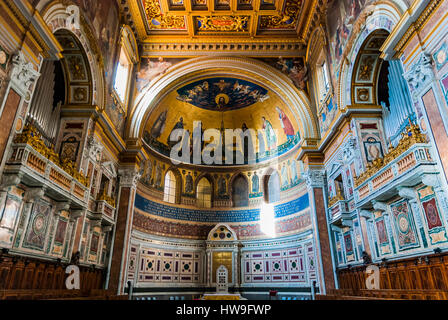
x=177, y=22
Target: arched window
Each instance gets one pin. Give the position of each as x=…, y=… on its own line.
x=121, y=82
x=240, y=192
x=273, y=186
x=204, y=193
x=123, y=74
x=170, y=187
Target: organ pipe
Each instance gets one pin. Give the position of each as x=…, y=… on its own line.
x=400, y=103
x=41, y=112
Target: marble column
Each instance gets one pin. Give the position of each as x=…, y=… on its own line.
x=125, y=211
x=322, y=240
x=77, y=216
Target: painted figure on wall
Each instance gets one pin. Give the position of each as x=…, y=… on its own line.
x=341, y=23
x=271, y=139
x=150, y=70
x=103, y=16
x=294, y=68
x=255, y=183
x=294, y=175
x=179, y=125
x=286, y=124
x=284, y=172
x=159, y=126
x=188, y=183
x=222, y=186
x=158, y=176
x=372, y=148
x=147, y=175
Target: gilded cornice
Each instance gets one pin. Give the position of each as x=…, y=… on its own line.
x=416, y=26
x=26, y=26
x=195, y=47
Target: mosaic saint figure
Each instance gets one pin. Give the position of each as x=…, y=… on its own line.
x=158, y=176
x=285, y=180
x=222, y=186
x=148, y=173
x=255, y=183
x=294, y=175
x=271, y=139
x=188, y=183
x=286, y=124
x=159, y=125
x=178, y=125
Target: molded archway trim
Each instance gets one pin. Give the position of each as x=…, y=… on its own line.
x=189, y=70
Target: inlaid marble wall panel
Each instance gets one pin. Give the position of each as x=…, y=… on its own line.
x=152, y=265
x=290, y=265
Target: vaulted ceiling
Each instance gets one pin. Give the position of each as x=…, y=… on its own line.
x=284, y=24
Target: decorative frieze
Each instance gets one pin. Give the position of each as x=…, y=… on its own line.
x=129, y=177
x=420, y=73
x=23, y=74
x=315, y=178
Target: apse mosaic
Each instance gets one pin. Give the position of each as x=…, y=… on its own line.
x=222, y=94
x=221, y=104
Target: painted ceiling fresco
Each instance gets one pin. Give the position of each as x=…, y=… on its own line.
x=279, y=126
x=214, y=17
x=222, y=94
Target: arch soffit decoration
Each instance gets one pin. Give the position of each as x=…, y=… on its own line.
x=381, y=15
x=188, y=70
x=55, y=16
